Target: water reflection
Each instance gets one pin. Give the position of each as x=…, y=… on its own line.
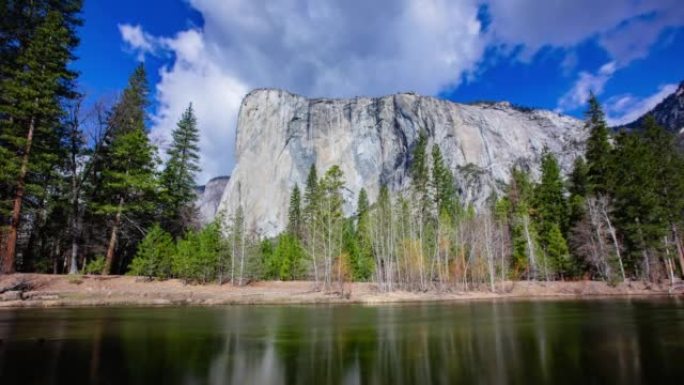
x=625, y=341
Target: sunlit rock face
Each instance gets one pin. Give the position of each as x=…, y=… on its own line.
x=209, y=197
x=280, y=135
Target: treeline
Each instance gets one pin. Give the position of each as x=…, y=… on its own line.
x=617, y=217
x=79, y=186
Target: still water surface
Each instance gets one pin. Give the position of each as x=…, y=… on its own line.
x=565, y=342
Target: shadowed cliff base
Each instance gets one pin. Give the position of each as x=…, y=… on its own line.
x=38, y=290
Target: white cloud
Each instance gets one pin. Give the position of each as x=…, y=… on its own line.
x=137, y=40
x=310, y=47
x=626, y=29
x=586, y=84
x=623, y=109
x=361, y=47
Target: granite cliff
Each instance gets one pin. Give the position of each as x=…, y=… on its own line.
x=209, y=197
x=280, y=134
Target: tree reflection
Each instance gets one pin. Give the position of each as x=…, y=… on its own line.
x=482, y=342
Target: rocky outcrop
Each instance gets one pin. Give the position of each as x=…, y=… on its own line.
x=669, y=113
x=209, y=197
x=280, y=135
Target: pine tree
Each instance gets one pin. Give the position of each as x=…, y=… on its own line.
x=178, y=178
x=420, y=174
x=443, y=181
x=362, y=258
x=550, y=193
x=578, y=191
x=638, y=211
x=557, y=251
x=30, y=110
x=128, y=181
x=598, y=149
x=668, y=164
x=311, y=217
x=294, y=216
x=154, y=255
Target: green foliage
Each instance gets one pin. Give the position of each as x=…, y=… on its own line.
x=33, y=90
x=578, y=185
x=178, y=178
x=289, y=256
x=155, y=254
x=598, y=149
x=557, y=251
x=294, y=215
x=443, y=184
x=358, y=242
x=96, y=265
x=420, y=173
x=197, y=255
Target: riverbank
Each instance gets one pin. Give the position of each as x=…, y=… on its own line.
x=41, y=290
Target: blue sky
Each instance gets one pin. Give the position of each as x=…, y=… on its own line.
x=542, y=54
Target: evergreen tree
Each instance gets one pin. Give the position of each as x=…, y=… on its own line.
x=523, y=231
x=638, y=210
x=178, y=177
x=288, y=258
x=668, y=163
x=30, y=111
x=420, y=174
x=294, y=216
x=557, y=251
x=154, y=255
x=443, y=181
x=598, y=149
x=128, y=183
x=551, y=213
x=362, y=253
x=311, y=217
x=578, y=191
x=550, y=194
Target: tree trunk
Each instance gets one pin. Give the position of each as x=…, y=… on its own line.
x=680, y=252
x=613, y=235
x=11, y=241
x=109, y=260
x=530, y=250
x=75, y=234
x=242, y=252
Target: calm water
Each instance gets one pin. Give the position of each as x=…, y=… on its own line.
x=590, y=342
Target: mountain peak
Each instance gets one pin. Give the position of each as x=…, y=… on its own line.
x=669, y=113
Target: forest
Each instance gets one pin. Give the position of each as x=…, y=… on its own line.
x=83, y=190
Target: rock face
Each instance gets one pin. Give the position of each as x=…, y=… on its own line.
x=669, y=113
x=209, y=197
x=280, y=135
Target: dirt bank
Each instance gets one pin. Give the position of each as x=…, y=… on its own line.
x=38, y=290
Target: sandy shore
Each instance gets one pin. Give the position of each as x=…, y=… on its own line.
x=38, y=290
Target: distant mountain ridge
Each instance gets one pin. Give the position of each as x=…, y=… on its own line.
x=669, y=113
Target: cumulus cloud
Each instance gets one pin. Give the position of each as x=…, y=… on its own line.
x=623, y=109
x=586, y=83
x=138, y=40
x=315, y=48
x=360, y=47
x=626, y=29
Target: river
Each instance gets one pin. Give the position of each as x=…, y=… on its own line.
x=625, y=341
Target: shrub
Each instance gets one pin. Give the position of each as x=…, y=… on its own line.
x=154, y=255
x=197, y=255
x=96, y=265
